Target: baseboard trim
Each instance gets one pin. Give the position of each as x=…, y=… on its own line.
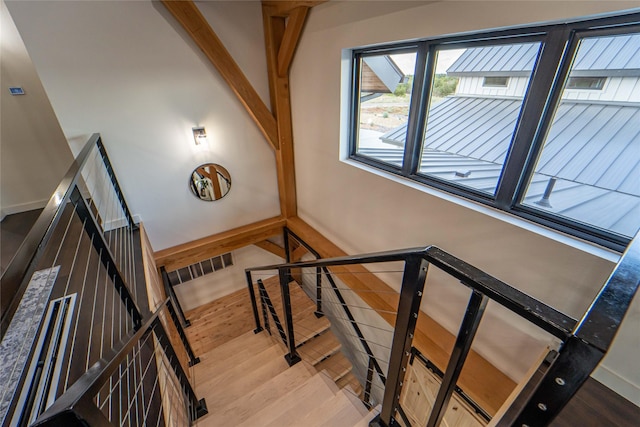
x=22, y=207
x=618, y=384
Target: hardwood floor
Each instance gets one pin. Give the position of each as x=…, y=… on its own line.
x=13, y=230
x=596, y=405
x=220, y=321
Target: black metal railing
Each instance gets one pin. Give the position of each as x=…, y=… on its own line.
x=335, y=298
x=109, y=224
x=74, y=295
x=268, y=309
x=111, y=392
x=583, y=344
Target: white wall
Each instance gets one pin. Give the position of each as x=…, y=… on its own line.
x=127, y=70
x=210, y=287
x=364, y=211
x=516, y=86
x=34, y=155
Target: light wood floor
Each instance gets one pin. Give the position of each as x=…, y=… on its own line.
x=220, y=321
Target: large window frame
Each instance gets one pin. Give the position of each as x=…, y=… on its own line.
x=559, y=43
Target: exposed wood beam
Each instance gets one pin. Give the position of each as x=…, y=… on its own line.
x=285, y=8
x=271, y=247
x=188, y=253
x=290, y=39
x=190, y=17
x=274, y=30
x=486, y=384
x=298, y=253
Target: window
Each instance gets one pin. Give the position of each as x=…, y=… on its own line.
x=535, y=147
x=495, y=81
x=386, y=83
x=467, y=137
x=596, y=83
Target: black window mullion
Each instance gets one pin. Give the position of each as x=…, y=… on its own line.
x=355, y=105
x=417, y=109
x=540, y=86
x=555, y=93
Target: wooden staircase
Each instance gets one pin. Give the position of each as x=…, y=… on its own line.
x=315, y=342
x=247, y=382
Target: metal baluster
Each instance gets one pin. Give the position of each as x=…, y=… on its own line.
x=254, y=306
x=468, y=329
x=415, y=272
x=318, y=311
x=75, y=328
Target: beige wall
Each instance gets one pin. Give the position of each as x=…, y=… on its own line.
x=126, y=69
x=363, y=210
x=34, y=154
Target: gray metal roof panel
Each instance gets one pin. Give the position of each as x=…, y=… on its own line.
x=600, y=207
x=595, y=144
x=500, y=58
x=386, y=70
x=603, y=55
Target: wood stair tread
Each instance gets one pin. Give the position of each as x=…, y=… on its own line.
x=335, y=412
x=242, y=378
x=308, y=327
x=320, y=347
x=294, y=405
x=302, y=302
x=349, y=380
x=265, y=395
x=364, y=422
x=337, y=366
x=248, y=343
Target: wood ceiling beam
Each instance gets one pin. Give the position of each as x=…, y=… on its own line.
x=269, y=246
x=274, y=33
x=192, y=20
x=290, y=39
x=281, y=39
x=188, y=253
x=285, y=8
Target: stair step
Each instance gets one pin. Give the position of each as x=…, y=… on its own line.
x=349, y=380
x=265, y=395
x=356, y=402
x=318, y=348
x=242, y=378
x=290, y=408
x=338, y=411
x=364, y=422
x=308, y=327
x=337, y=366
x=300, y=302
x=246, y=344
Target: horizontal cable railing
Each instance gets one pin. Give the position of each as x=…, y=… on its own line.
x=582, y=344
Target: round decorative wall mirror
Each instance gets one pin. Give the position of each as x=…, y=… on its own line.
x=210, y=182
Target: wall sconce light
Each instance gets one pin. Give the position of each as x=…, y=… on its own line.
x=199, y=135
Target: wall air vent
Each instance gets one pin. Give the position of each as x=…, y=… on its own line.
x=200, y=269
